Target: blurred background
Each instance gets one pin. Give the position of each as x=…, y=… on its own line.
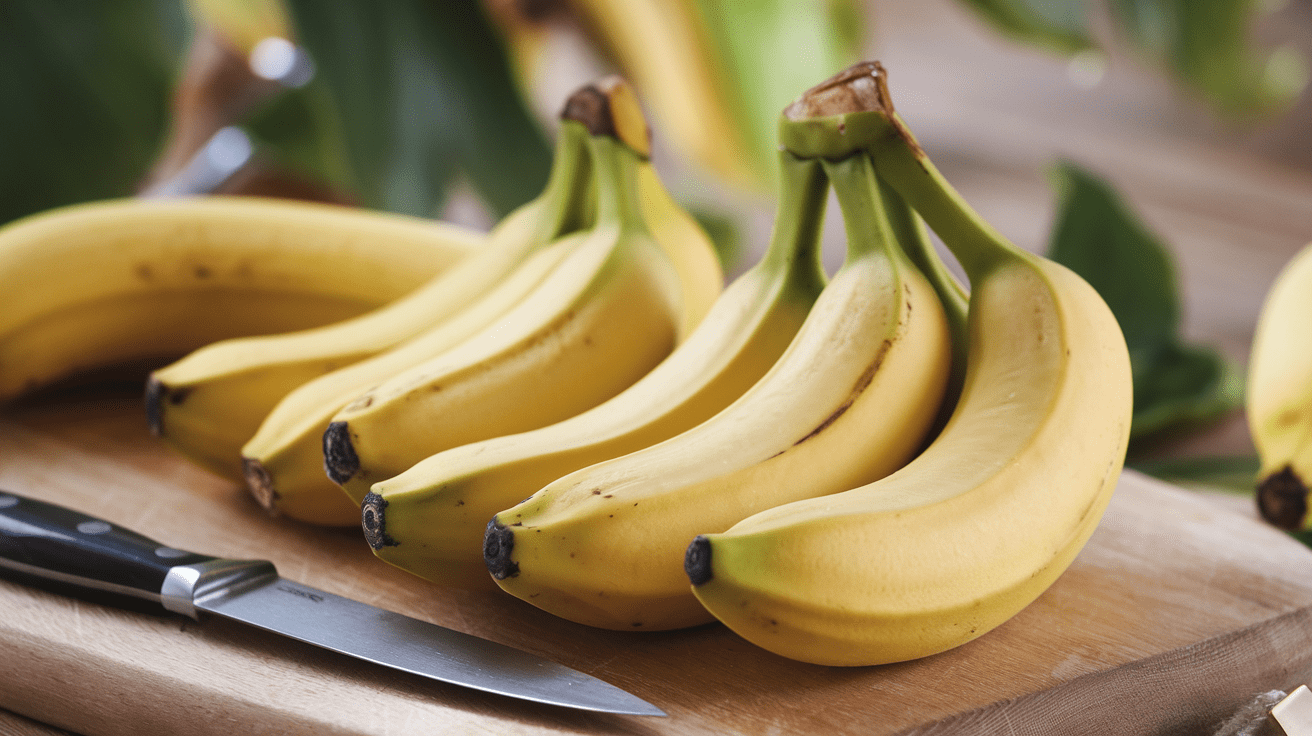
x=1159, y=146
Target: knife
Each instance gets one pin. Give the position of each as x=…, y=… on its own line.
x=61, y=545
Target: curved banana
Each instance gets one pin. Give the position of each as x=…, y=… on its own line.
x=976, y=527
x=125, y=281
x=429, y=520
x=283, y=461
x=208, y=404
x=849, y=401
x=605, y=317
x=1280, y=396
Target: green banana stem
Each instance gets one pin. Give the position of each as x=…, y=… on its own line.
x=615, y=171
x=864, y=218
x=911, y=234
x=853, y=111
x=800, y=214
x=977, y=245
x=567, y=199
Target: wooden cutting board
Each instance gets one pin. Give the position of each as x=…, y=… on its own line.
x=1178, y=612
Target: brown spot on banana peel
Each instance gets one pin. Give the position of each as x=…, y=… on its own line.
x=498, y=544
x=862, y=383
x=373, y=521
x=1282, y=499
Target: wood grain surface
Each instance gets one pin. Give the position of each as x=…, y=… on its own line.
x=1181, y=605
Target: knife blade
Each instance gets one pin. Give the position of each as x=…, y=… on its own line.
x=55, y=543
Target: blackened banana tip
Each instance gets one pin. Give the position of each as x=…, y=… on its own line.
x=260, y=483
x=697, y=561
x=373, y=521
x=339, y=458
x=155, y=406
x=498, y=543
x=1282, y=499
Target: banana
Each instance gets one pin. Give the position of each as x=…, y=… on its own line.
x=605, y=317
x=664, y=46
x=849, y=401
x=1280, y=396
x=972, y=530
x=283, y=461
x=429, y=520
x=93, y=285
x=211, y=402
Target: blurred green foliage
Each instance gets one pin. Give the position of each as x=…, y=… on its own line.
x=84, y=97
x=413, y=95
x=1205, y=45
x=422, y=93
x=1096, y=234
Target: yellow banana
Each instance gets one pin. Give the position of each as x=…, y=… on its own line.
x=430, y=519
x=1280, y=396
x=605, y=317
x=208, y=404
x=663, y=46
x=982, y=522
x=126, y=281
x=849, y=401
x=283, y=461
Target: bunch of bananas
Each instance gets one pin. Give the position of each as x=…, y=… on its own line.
x=1280, y=397
x=857, y=469
x=567, y=301
x=861, y=502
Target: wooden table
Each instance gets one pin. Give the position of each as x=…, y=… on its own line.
x=1179, y=610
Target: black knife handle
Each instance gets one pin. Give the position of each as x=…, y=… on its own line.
x=61, y=545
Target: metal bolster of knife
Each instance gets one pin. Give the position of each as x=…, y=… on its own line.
x=186, y=585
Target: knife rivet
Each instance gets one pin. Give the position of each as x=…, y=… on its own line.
x=169, y=553
x=8, y=501
x=94, y=527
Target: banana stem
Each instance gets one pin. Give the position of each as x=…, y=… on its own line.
x=852, y=112
x=909, y=230
x=568, y=196
x=864, y=218
x=615, y=169
x=799, y=218
x=977, y=245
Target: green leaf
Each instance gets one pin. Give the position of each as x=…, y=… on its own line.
x=1176, y=385
x=84, y=97
x=1206, y=45
x=422, y=92
x=1059, y=25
